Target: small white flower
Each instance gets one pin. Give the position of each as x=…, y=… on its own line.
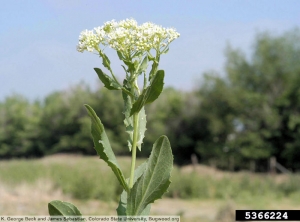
x=127, y=37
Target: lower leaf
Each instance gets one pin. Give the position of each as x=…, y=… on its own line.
x=103, y=148
x=121, y=210
x=60, y=208
x=155, y=180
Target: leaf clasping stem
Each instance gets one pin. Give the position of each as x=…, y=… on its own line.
x=133, y=150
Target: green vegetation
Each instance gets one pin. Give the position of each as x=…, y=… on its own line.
x=248, y=115
x=89, y=178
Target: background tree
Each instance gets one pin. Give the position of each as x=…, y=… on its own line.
x=64, y=126
x=257, y=101
x=217, y=113
x=18, y=127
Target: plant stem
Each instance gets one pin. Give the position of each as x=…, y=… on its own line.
x=133, y=149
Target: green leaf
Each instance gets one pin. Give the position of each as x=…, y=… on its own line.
x=141, y=128
x=103, y=148
x=151, y=93
x=105, y=61
x=60, y=208
x=120, y=55
x=128, y=121
x=108, y=82
x=143, y=65
x=155, y=180
x=146, y=211
x=130, y=66
x=150, y=57
x=154, y=67
x=121, y=210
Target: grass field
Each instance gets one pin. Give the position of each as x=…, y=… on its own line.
x=197, y=194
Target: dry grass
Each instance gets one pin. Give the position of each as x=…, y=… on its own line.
x=25, y=199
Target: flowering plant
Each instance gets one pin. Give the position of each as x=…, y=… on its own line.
x=136, y=46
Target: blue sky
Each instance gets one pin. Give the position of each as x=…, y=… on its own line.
x=38, y=38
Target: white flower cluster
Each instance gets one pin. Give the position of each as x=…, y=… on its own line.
x=127, y=37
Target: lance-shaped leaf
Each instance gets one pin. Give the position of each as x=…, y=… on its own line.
x=128, y=121
x=141, y=128
x=154, y=66
x=121, y=210
x=151, y=93
x=103, y=148
x=108, y=82
x=143, y=65
x=60, y=208
x=105, y=61
x=155, y=180
x=120, y=55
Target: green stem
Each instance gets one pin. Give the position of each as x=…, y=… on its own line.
x=114, y=76
x=133, y=150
